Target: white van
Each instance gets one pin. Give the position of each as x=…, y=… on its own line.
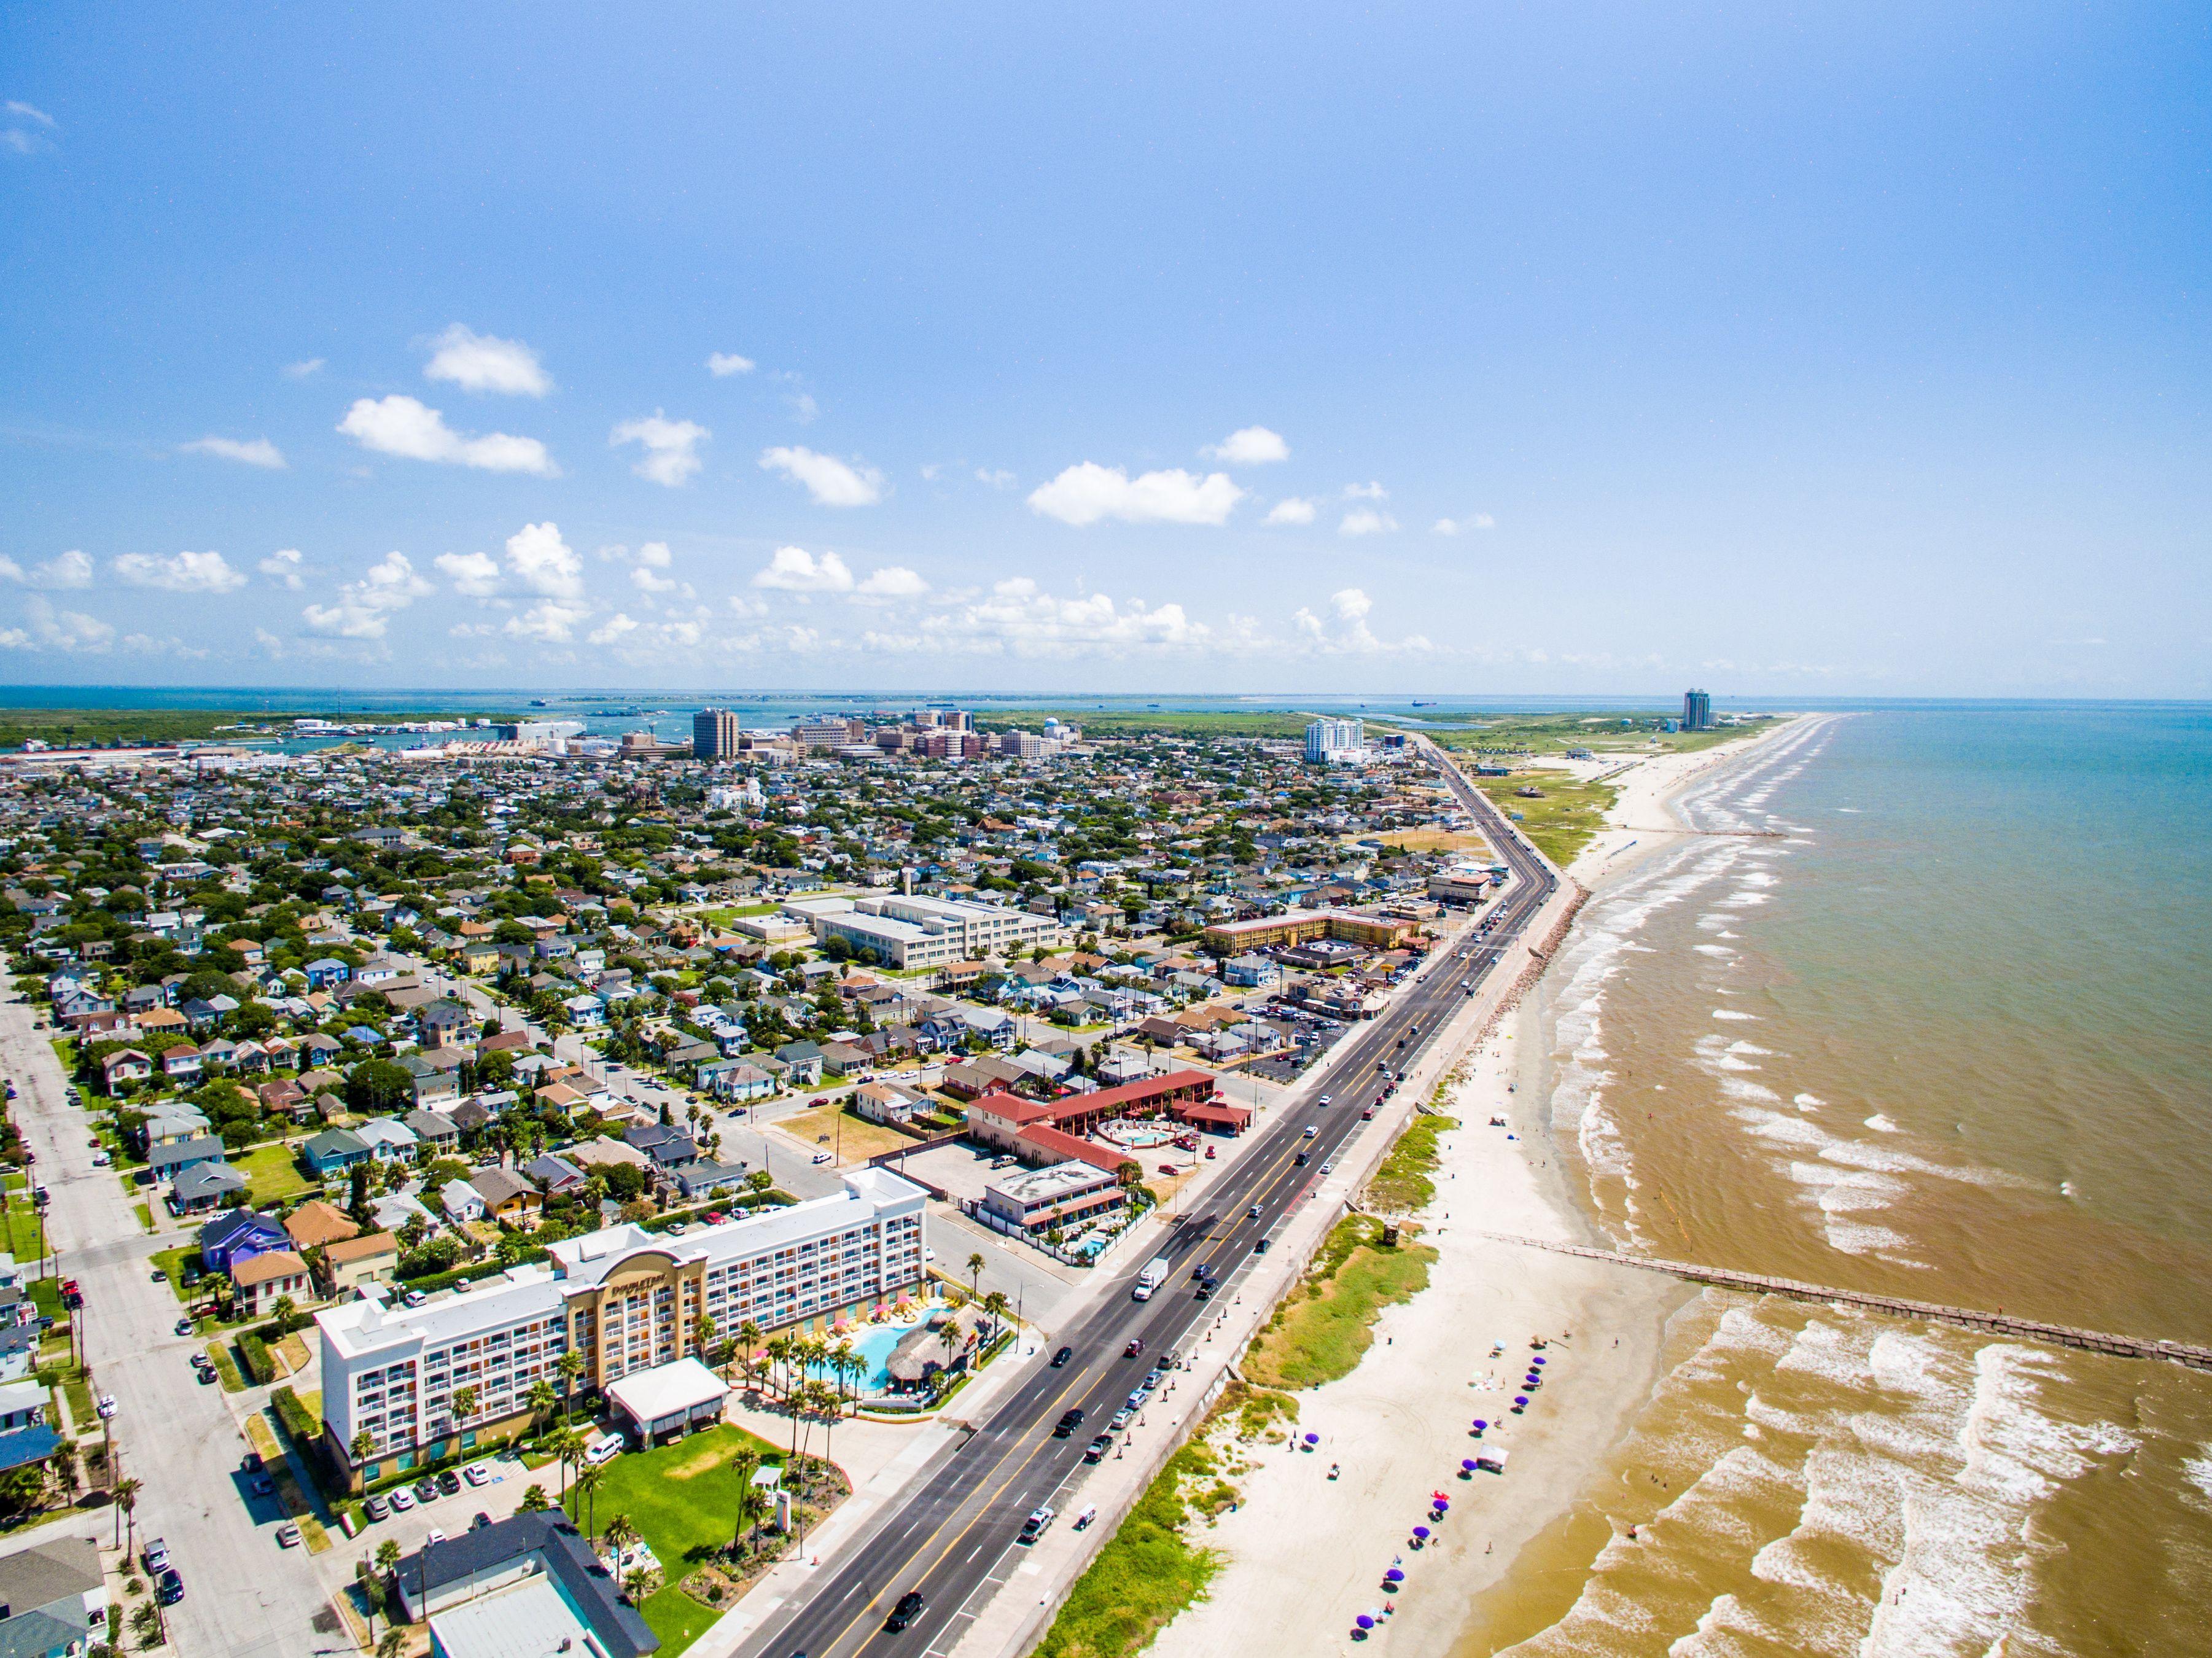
x=603, y=1449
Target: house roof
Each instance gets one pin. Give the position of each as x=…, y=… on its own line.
x=569, y=1560
x=264, y=1269
x=200, y=1149
x=46, y=1572
x=346, y=1251
x=498, y=1186
x=317, y=1223
x=207, y=1180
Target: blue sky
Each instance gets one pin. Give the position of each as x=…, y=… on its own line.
x=1487, y=349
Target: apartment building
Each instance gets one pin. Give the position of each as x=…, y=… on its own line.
x=907, y=932
x=624, y=1299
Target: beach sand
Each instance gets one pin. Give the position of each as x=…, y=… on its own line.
x=1306, y=1555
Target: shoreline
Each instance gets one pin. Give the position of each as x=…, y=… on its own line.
x=1303, y=1554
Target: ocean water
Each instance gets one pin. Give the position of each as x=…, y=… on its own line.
x=1925, y=1008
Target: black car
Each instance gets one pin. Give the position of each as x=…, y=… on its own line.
x=1096, y=1451
x=1205, y=1289
x=908, y=1609
x=1062, y=1356
x=1302, y=1159
x=168, y=1587
x=449, y=1482
x=1070, y=1420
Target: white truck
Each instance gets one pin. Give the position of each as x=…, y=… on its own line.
x=1154, y=1275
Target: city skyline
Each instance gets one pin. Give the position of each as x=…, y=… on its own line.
x=1425, y=353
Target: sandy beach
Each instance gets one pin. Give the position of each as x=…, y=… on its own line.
x=1306, y=1555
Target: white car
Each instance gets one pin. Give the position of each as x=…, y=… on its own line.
x=603, y=1450
x=476, y=1474
x=402, y=1500
x=106, y=1406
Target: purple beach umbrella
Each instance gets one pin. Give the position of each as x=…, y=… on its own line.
x=1420, y=1531
x=1393, y=1576
x=1313, y=1439
x=1364, y=1621
x=1466, y=1463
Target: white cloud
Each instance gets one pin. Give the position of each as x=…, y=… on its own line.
x=282, y=567
x=1365, y=492
x=544, y=563
x=615, y=626
x=57, y=630
x=69, y=570
x=365, y=606
x=254, y=451
x=831, y=482
x=656, y=555
x=930, y=469
x=723, y=364
x=484, y=362
x=1366, y=521
x=306, y=368
x=181, y=572
x=1086, y=493
x=671, y=447
x=1020, y=619
x=1295, y=509
x=893, y=581
x=1345, y=631
x=795, y=570
x=31, y=135
x=17, y=107
x=1253, y=445
x=1452, y=526
x=554, y=623
x=997, y=476
x=803, y=407
x=403, y=427
x=474, y=576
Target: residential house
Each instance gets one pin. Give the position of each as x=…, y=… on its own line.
x=53, y=1595
x=316, y=1224
x=434, y=1130
x=261, y=1280
x=879, y=1102
x=350, y=1263
x=182, y=1065
x=508, y=1197
x=463, y=1202
x=211, y=1186
x=167, y=1162
x=736, y=1080
x=239, y=1236
x=557, y=1175
x=334, y=1150
x=803, y=1063
x=126, y=1064
x=388, y=1139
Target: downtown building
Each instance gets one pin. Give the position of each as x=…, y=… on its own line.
x=626, y=1301
x=715, y=734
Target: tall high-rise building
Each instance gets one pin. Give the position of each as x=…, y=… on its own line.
x=715, y=734
x=1697, y=711
x=1328, y=740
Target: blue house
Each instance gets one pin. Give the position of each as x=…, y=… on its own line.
x=237, y=1236
x=327, y=971
x=335, y=1149
x=167, y=1162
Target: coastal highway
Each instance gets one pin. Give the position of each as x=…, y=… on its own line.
x=965, y=1510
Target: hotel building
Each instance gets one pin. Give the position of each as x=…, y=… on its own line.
x=624, y=1299
x=907, y=932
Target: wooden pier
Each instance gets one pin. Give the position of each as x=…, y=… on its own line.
x=1759, y=1284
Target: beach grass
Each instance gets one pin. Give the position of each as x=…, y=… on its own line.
x=1561, y=819
x=681, y=1498
x=1325, y=1325
x=1149, y=1570
x=1149, y=722
x=1402, y=1185
x=1600, y=731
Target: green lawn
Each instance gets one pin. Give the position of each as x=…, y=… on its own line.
x=172, y=1261
x=1562, y=819
x=681, y=1498
x=272, y=1174
x=22, y=1230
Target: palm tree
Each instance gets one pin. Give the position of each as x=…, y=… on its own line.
x=637, y=1584
x=749, y=1340
x=387, y=1556
x=363, y=1446
x=569, y=1367
x=620, y=1534
x=833, y=1401
x=587, y=1485
x=126, y=1503
x=541, y=1400
x=995, y=1305
x=285, y=1310
x=464, y=1403
x=568, y=1448
x=975, y=1266
x=745, y=1464
x=779, y=1352
x=705, y=1332
x=393, y=1643
x=63, y=1461
x=841, y=1362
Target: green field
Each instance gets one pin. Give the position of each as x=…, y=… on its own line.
x=1326, y=1325
x=1563, y=819
x=681, y=1498
x=1598, y=731
x=1151, y=722
x=73, y=727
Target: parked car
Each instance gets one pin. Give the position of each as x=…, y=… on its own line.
x=155, y=1554
x=1033, y=1527
x=476, y=1474
x=449, y=1482
x=603, y=1449
x=402, y=1500
x=377, y=1508
x=265, y=1486
x=1096, y=1451
x=287, y=1535
x=426, y=1490
x=168, y=1587
x=1090, y=1513
x=107, y=1407
x=433, y=1535
x=1120, y=1419
x=185, y=1326
x=479, y=1521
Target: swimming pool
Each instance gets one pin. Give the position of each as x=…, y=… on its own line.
x=874, y=1347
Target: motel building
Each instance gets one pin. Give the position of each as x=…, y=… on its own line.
x=629, y=1301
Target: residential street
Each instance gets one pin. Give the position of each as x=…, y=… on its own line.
x=245, y=1596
